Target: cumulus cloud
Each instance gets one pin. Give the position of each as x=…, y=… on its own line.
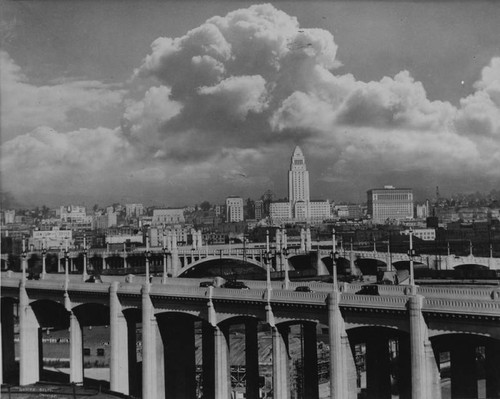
x=232, y=97
x=26, y=106
x=479, y=113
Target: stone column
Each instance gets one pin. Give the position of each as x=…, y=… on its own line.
x=59, y=268
x=148, y=346
x=311, y=389
x=175, y=262
x=133, y=369
x=352, y=264
x=338, y=375
x=424, y=370
x=492, y=369
x=118, y=366
x=29, y=371
x=281, y=383
x=350, y=366
x=252, y=359
x=463, y=370
x=75, y=350
x=8, y=361
x=222, y=372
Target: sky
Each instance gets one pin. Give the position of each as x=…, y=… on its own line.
x=179, y=102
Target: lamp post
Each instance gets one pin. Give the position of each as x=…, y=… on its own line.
x=335, y=256
x=24, y=263
x=287, y=277
x=411, y=254
x=269, y=257
x=44, y=255
x=84, y=272
x=147, y=255
x=66, y=265
x=165, y=254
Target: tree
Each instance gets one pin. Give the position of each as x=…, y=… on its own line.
x=205, y=206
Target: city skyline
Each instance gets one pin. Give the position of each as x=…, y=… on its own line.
x=374, y=93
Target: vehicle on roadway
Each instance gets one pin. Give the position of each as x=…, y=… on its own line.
x=235, y=284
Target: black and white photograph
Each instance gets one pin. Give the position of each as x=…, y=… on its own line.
x=215, y=199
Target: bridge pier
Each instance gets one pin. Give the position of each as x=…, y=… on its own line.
x=29, y=340
x=424, y=371
x=134, y=375
x=75, y=350
x=119, y=343
x=222, y=369
x=152, y=353
x=281, y=383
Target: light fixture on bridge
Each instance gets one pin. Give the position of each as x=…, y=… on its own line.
x=334, y=255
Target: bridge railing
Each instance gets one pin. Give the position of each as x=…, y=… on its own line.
x=374, y=301
x=462, y=306
x=457, y=292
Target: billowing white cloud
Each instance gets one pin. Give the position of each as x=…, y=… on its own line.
x=479, y=113
x=25, y=106
x=232, y=97
x=237, y=96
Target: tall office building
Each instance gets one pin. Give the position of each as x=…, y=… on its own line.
x=234, y=209
x=390, y=204
x=298, y=184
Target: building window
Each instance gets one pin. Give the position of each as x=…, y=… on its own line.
x=86, y=351
x=100, y=351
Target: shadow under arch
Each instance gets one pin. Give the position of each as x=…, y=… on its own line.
x=369, y=266
x=382, y=359
x=51, y=314
x=226, y=267
x=8, y=316
x=470, y=361
x=92, y=314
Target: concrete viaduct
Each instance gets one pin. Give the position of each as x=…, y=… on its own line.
x=423, y=321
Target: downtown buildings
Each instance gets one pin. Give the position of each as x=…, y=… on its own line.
x=299, y=207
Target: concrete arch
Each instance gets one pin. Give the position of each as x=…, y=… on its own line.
x=240, y=319
x=358, y=333
x=445, y=340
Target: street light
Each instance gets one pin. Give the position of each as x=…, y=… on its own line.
x=335, y=257
x=147, y=255
x=411, y=254
x=287, y=278
x=268, y=256
x=165, y=254
x=44, y=254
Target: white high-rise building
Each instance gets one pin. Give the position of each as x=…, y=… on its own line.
x=298, y=184
x=234, y=209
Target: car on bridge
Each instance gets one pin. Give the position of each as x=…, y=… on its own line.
x=235, y=284
x=368, y=290
x=303, y=288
